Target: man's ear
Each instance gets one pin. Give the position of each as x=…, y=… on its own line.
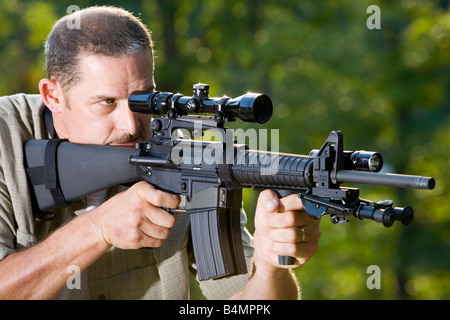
x=51, y=93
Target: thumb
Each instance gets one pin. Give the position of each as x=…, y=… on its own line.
x=269, y=201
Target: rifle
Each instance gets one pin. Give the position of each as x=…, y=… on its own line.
x=60, y=172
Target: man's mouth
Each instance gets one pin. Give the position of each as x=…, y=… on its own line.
x=128, y=141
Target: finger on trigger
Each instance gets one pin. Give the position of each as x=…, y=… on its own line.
x=161, y=217
x=158, y=198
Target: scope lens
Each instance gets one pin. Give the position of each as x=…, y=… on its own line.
x=251, y=107
x=262, y=109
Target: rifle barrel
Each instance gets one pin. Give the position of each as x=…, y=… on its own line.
x=385, y=179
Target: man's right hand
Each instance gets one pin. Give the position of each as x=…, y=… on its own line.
x=134, y=218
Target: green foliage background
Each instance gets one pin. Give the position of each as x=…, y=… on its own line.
x=387, y=90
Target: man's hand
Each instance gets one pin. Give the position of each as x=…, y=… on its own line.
x=282, y=227
x=134, y=218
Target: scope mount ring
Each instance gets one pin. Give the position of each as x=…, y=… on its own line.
x=220, y=116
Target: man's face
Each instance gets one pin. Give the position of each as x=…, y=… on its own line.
x=96, y=107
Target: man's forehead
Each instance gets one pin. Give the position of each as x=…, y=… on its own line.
x=131, y=60
x=106, y=71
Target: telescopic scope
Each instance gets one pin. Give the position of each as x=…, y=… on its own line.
x=250, y=107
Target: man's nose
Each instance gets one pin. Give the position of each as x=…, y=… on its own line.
x=127, y=120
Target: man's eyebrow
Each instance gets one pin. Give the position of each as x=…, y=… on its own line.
x=102, y=97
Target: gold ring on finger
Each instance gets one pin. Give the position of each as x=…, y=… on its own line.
x=303, y=235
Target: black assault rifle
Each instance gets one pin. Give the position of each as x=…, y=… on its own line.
x=60, y=172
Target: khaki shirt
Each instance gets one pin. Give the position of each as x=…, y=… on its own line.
x=160, y=273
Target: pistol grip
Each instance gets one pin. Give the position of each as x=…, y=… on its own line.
x=284, y=260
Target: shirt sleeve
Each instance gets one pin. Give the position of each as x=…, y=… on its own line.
x=20, y=120
x=7, y=237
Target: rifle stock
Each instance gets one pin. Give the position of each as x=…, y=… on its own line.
x=81, y=169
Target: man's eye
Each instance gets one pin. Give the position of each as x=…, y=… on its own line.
x=108, y=102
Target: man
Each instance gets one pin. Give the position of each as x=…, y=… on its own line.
x=91, y=72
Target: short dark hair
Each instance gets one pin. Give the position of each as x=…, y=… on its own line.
x=105, y=30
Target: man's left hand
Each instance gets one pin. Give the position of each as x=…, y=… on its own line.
x=283, y=227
